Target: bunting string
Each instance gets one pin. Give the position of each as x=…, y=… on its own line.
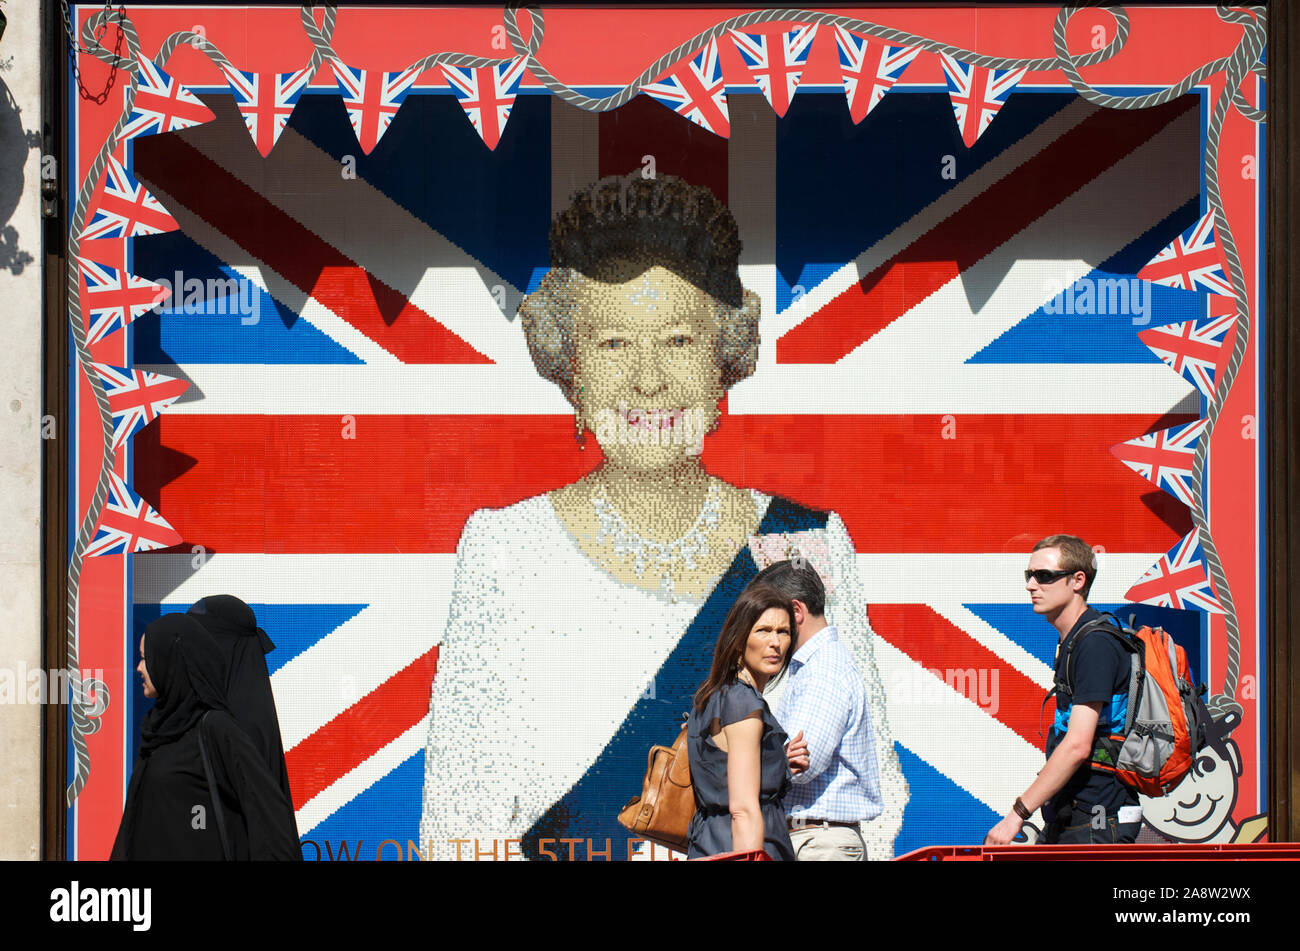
x=89, y=700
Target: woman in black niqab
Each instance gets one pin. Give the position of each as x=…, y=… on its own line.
x=169, y=811
x=243, y=646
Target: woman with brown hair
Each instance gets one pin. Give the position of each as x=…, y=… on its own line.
x=737, y=749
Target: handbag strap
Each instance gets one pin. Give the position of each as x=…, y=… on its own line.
x=212, y=791
x=680, y=772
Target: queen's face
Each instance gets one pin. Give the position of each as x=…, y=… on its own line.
x=647, y=380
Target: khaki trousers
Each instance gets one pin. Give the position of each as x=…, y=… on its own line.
x=817, y=843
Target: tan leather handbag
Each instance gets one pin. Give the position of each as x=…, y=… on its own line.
x=662, y=813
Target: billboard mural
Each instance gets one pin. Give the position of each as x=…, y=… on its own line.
x=420, y=331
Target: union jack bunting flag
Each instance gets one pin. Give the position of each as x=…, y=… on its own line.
x=694, y=88
x=1195, y=348
x=487, y=94
x=869, y=68
x=776, y=61
x=266, y=100
x=977, y=93
x=1178, y=580
x=1165, y=458
x=372, y=99
x=1193, y=261
x=113, y=298
x=161, y=104
x=128, y=524
x=125, y=208
x=136, y=397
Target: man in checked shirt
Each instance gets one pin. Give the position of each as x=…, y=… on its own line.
x=825, y=700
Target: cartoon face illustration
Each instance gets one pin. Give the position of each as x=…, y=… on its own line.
x=1198, y=809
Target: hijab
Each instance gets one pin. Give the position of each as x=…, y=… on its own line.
x=225, y=616
x=243, y=646
x=186, y=670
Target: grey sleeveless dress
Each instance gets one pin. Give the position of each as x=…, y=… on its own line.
x=710, y=829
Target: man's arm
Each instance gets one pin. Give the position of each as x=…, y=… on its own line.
x=1073, y=751
x=821, y=713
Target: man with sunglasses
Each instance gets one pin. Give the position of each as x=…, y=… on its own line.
x=1080, y=805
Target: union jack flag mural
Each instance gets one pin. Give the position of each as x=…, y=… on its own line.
x=335, y=438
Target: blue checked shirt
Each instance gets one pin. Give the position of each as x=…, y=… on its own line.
x=826, y=700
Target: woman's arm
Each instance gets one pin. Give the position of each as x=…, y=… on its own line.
x=744, y=770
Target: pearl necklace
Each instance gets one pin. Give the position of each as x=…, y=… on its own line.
x=626, y=541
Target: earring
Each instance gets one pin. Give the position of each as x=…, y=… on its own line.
x=579, y=431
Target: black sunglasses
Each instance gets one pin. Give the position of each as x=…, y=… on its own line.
x=1044, y=576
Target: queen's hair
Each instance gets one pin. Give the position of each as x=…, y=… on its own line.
x=619, y=228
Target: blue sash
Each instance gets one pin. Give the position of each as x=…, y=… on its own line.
x=589, y=811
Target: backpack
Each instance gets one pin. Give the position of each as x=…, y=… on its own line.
x=1166, y=723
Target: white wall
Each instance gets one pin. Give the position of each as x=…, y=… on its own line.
x=20, y=422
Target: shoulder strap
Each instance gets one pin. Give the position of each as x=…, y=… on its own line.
x=1105, y=621
x=1128, y=639
x=1043, y=706
x=1065, y=683
x=680, y=771
x=212, y=791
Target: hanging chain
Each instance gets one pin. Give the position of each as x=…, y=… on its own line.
x=97, y=47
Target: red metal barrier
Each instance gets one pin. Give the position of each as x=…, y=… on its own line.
x=1138, y=852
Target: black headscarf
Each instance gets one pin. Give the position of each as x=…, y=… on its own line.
x=186, y=670
x=226, y=614
x=243, y=646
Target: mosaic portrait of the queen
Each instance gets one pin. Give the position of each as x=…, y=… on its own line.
x=582, y=619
